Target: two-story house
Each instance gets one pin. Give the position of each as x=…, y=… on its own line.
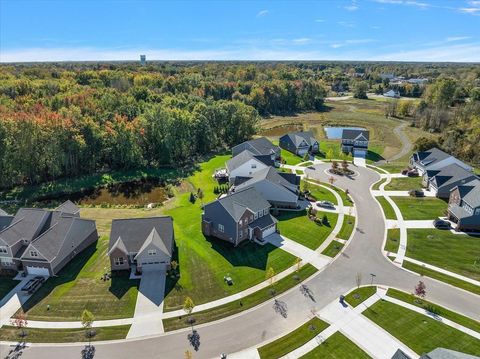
x=42, y=242
x=141, y=244
x=245, y=164
x=240, y=216
x=258, y=147
x=443, y=180
x=434, y=159
x=464, y=206
x=355, y=141
x=280, y=189
x=299, y=143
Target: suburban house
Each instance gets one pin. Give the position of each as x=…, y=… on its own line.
x=258, y=147
x=438, y=353
x=392, y=94
x=240, y=216
x=355, y=142
x=42, y=242
x=141, y=244
x=5, y=219
x=300, y=143
x=443, y=180
x=281, y=190
x=434, y=159
x=245, y=164
x=464, y=206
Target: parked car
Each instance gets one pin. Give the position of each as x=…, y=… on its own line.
x=325, y=204
x=416, y=193
x=441, y=224
x=405, y=171
x=412, y=173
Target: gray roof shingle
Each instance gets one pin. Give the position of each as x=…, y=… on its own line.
x=272, y=175
x=469, y=192
x=351, y=134
x=245, y=156
x=449, y=175
x=236, y=203
x=135, y=231
x=442, y=353
x=68, y=207
x=298, y=137
x=258, y=146
x=427, y=158
x=26, y=224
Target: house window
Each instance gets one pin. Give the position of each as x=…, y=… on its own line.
x=240, y=235
x=3, y=249
x=251, y=219
x=152, y=252
x=119, y=261
x=256, y=216
x=221, y=228
x=265, y=211
x=477, y=212
x=33, y=254
x=254, y=165
x=260, y=214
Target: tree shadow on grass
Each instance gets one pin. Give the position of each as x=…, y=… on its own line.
x=246, y=254
x=68, y=274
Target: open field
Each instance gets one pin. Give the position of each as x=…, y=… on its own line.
x=338, y=346
x=420, y=332
x=441, y=277
x=299, y=228
x=453, y=252
x=293, y=340
x=404, y=184
x=35, y=335
x=393, y=240
x=420, y=208
x=434, y=308
x=360, y=295
x=245, y=303
x=78, y=286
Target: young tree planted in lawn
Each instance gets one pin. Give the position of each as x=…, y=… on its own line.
x=345, y=165
x=192, y=197
x=200, y=195
x=270, y=275
x=330, y=153
x=306, y=157
x=87, y=322
x=20, y=322
x=188, y=305
x=358, y=279
x=334, y=165
x=188, y=354
x=331, y=180
x=420, y=291
x=298, y=263
x=306, y=184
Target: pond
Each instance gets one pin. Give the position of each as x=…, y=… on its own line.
x=137, y=193
x=336, y=132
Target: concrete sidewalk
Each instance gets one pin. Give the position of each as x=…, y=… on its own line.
x=360, y=161
x=13, y=301
x=428, y=223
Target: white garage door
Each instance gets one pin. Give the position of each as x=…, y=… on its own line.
x=38, y=271
x=302, y=151
x=268, y=231
x=153, y=266
x=360, y=153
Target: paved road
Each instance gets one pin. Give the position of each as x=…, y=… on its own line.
x=363, y=254
x=406, y=143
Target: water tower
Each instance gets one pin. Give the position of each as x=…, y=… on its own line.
x=143, y=59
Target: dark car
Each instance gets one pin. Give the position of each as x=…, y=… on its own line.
x=412, y=173
x=416, y=193
x=441, y=224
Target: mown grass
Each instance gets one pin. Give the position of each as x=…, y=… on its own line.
x=347, y=227
x=337, y=346
x=393, y=240
x=420, y=208
x=320, y=193
x=299, y=228
x=360, y=295
x=245, y=303
x=333, y=249
x=441, y=277
x=36, y=335
x=386, y=207
x=435, y=309
x=419, y=332
x=454, y=252
x=377, y=185
x=404, y=184
x=293, y=340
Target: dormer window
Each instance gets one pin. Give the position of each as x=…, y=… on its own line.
x=3, y=250
x=254, y=165
x=152, y=252
x=33, y=254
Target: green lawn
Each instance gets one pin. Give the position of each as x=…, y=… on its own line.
x=320, y=193
x=347, y=201
x=360, y=295
x=333, y=249
x=293, y=340
x=394, y=167
x=338, y=346
x=453, y=252
x=78, y=286
x=419, y=332
x=299, y=228
x=404, y=184
x=420, y=208
x=245, y=303
x=386, y=207
x=35, y=335
x=306, y=164
x=347, y=227
x=290, y=159
x=442, y=277
x=6, y=285
x=393, y=240
x=434, y=308
x=377, y=185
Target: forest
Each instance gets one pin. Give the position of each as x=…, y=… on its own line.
x=69, y=119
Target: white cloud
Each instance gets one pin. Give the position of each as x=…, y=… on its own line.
x=404, y=2
x=352, y=7
x=301, y=41
x=319, y=20
x=470, y=10
x=262, y=13
x=346, y=23
x=457, y=38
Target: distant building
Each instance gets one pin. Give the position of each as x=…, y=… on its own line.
x=392, y=94
x=143, y=59
x=355, y=142
x=299, y=143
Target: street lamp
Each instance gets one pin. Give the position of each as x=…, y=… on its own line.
x=373, y=275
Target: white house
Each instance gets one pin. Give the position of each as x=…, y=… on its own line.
x=245, y=164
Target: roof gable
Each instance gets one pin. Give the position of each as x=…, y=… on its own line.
x=154, y=241
x=352, y=134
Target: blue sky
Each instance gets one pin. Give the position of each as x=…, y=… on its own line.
x=403, y=30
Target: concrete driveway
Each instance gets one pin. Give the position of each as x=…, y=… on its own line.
x=147, y=319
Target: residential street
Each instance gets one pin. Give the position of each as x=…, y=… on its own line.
x=362, y=255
